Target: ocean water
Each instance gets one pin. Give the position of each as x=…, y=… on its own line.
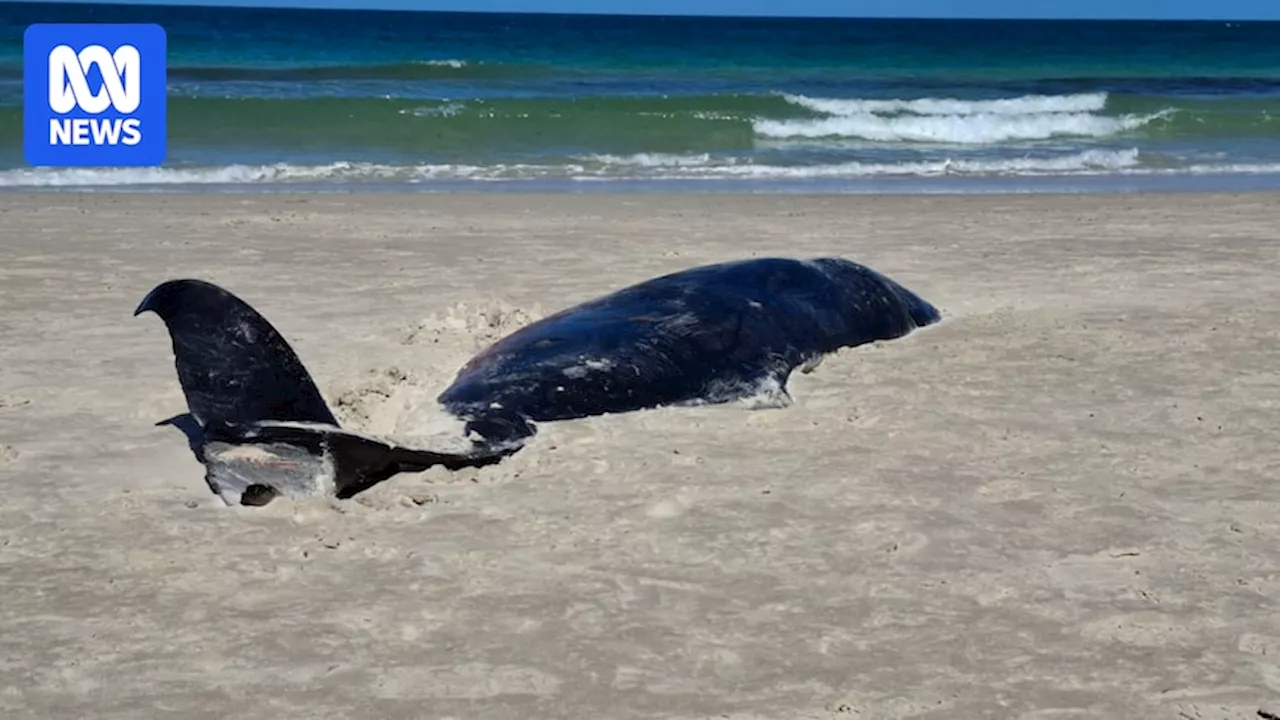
x=342, y=99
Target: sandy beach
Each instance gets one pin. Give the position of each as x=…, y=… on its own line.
x=1057, y=503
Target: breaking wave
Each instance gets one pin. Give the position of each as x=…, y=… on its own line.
x=953, y=121
x=1025, y=105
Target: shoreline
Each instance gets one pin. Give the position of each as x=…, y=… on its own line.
x=1119, y=184
x=581, y=191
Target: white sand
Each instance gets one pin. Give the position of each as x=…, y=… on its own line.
x=1060, y=502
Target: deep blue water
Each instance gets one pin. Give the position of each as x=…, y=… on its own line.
x=275, y=98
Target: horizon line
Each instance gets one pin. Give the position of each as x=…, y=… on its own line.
x=244, y=5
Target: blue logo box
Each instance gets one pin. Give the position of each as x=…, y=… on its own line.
x=93, y=95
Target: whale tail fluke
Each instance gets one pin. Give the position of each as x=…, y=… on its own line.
x=234, y=367
x=264, y=428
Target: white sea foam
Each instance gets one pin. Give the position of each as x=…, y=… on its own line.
x=1025, y=105
x=954, y=121
x=1087, y=161
x=444, y=63
x=445, y=110
x=229, y=174
x=651, y=159
x=971, y=129
x=604, y=167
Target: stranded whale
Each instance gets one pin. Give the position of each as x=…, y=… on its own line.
x=708, y=334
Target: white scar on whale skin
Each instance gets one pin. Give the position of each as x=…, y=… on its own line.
x=576, y=372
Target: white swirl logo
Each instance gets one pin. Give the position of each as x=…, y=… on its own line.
x=69, y=85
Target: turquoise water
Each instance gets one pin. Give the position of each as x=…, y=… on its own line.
x=288, y=98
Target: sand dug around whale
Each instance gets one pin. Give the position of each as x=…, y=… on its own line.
x=398, y=399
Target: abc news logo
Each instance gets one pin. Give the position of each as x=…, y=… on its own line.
x=94, y=95
x=69, y=89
